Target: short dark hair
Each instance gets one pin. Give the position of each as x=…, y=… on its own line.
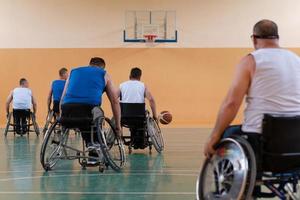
x=97, y=62
x=62, y=71
x=265, y=29
x=22, y=81
x=136, y=73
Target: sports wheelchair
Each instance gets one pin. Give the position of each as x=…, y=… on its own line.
x=234, y=172
x=135, y=117
x=58, y=146
x=31, y=124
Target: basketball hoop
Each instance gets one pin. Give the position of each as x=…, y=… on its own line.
x=150, y=37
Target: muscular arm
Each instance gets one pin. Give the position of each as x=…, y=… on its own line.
x=114, y=101
x=232, y=101
x=151, y=101
x=8, y=101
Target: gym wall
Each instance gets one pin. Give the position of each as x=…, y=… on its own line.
x=189, y=78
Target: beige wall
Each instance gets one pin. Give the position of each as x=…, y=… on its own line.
x=99, y=23
x=188, y=82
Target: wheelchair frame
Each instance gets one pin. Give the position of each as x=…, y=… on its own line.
x=60, y=151
x=281, y=185
x=31, y=121
x=153, y=135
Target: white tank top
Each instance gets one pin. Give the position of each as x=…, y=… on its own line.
x=22, y=98
x=132, y=91
x=275, y=87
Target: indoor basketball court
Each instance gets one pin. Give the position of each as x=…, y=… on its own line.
x=183, y=54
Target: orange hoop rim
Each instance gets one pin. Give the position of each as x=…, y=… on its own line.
x=150, y=37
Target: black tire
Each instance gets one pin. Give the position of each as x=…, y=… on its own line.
x=251, y=178
x=48, y=121
x=50, y=142
x=228, y=185
x=155, y=134
x=106, y=129
x=7, y=124
x=35, y=125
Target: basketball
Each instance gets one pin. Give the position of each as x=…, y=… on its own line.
x=165, y=117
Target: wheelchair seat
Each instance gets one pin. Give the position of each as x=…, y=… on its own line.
x=133, y=114
x=281, y=138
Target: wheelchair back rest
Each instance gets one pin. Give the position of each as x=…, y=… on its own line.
x=22, y=113
x=281, y=135
x=133, y=114
x=281, y=138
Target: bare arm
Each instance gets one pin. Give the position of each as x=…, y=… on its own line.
x=8, y=101
x=232, y=101
x=34, y=104
x=114, y=101
x=151, y=101
x=49, y=100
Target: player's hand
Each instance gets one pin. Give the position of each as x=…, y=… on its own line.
x=209, y=148
x=119, y=131
x=155, y=118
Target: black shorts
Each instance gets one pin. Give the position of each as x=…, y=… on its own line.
x=56, y=106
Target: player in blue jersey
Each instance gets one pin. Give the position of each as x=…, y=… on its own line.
x=57, y=88
x=83, y=92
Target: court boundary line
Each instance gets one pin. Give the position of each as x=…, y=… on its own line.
x=94, y=174
x=100, y=193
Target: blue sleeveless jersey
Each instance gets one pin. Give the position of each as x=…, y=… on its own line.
x=86, y=86
x=57, y=89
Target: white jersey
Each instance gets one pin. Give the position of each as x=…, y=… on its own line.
x=132, y=91
x=275, y=87
x=22, y=98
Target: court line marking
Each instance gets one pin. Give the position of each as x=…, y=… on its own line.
x=94, y=174
x=127, y=171
x=104, y=193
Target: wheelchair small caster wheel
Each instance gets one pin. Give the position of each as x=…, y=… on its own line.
x=84, y=164
x=101, y=168
x=150, y=149
x=130, y=150
x=47, y=168
x=106, y=165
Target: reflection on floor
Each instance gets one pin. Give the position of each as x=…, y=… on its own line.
x=171, y=175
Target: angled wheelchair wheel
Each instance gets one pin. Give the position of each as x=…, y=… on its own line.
x=52, y=149
x=111, y=146
x=229, y=174
x=155, y=134
x=49, y=121
x=9, y=117
x=35, y=125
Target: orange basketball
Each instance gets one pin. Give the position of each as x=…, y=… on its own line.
x=165, y=117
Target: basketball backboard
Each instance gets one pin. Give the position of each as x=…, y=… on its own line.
x=139, y=24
